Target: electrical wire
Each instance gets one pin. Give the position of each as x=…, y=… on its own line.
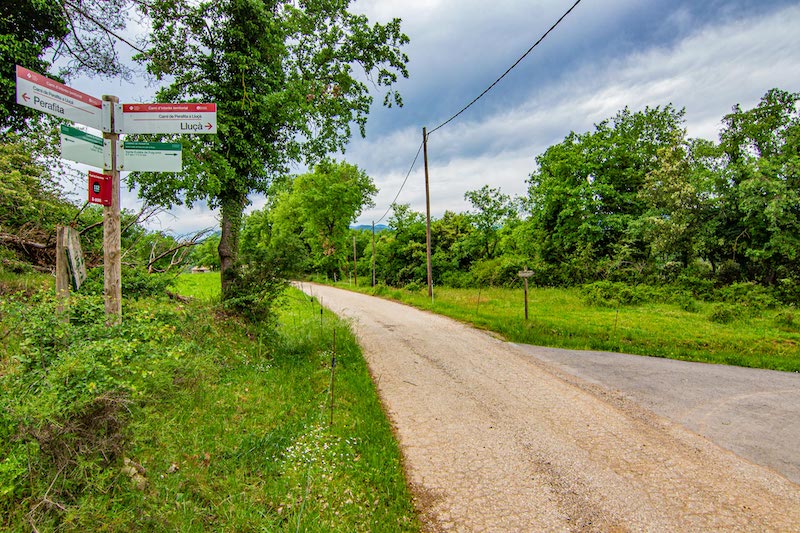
x=517, y=62
x=403, y=185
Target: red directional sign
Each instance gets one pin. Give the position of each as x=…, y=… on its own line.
x=166, y=118
x=49, y=96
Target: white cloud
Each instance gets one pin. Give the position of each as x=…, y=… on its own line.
x=707, y=72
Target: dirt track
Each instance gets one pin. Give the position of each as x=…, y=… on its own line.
x=496, y=441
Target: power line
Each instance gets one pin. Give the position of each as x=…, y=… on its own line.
x=517, y=62
x=403, y=185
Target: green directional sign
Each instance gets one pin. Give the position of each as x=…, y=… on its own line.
x=149, y=156
x=82, y=147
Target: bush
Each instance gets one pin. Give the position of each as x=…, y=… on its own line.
x=724, y=313
x=67, y=398
x=253, y=291
x=700, y=286
x=610, y=294
x=136, y=282
x=787, y=291
x=499, y=272
x=686, y=302
x=748, y=296
x=413, y=286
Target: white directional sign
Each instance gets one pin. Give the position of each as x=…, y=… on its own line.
x=49, y=96
x=149, y=156
x=166, y=118
x=82, y=147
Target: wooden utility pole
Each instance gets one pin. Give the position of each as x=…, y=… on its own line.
x=427, y=211
x=355, y=263
x=112, y=256
x=373, y=253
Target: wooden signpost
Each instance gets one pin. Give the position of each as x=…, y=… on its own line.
x=525, y=274
x=113, y=119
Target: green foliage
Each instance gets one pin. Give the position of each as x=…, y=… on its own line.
x=206, y=253
x=254, y=291
x=492, y=210
x=748, y=296
x=319, y=208
x=724, y=313
x=29, y=194
x=227, y=423
x=66, y=31
x=136, y=283
x=72, y=390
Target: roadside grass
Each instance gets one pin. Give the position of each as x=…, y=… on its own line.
x=768, y=338
x=231, y=425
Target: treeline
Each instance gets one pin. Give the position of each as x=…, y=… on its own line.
x=634, y=200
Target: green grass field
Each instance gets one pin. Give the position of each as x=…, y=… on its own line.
x=561, y=318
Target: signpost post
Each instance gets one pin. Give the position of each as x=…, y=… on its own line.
x=525, y=274
x=112, y=240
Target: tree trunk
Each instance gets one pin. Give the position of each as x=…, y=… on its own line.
x=231, y=209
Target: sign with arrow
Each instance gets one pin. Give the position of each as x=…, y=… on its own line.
x=54, y=98
x=166, y=118
x=149, y=156
x=82, y=147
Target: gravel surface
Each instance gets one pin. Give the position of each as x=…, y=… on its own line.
x=496, y=440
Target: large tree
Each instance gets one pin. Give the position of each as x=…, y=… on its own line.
x=282, y=76
x=491, y=209
x=758, y=184
x=321, y=205
x=585, y=196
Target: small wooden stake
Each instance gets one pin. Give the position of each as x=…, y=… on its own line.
x=62, y=272
x=333, y=371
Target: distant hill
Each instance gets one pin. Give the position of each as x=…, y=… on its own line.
x=368, y=227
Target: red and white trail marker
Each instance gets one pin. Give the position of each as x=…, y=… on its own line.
x=166, y=118
x=54, y=98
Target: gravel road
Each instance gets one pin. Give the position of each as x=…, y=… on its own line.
x=497, y=440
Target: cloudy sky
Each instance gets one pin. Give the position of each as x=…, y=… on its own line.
x=704, y=56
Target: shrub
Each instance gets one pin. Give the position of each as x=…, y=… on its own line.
x=686, y=302
x=136, y=282
x=700, y=286
x=724, y=313
x=748, y=296
x=610, y=294
x=253, y=291
x=413, y=286
x=67, y=396
x=498, y=272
